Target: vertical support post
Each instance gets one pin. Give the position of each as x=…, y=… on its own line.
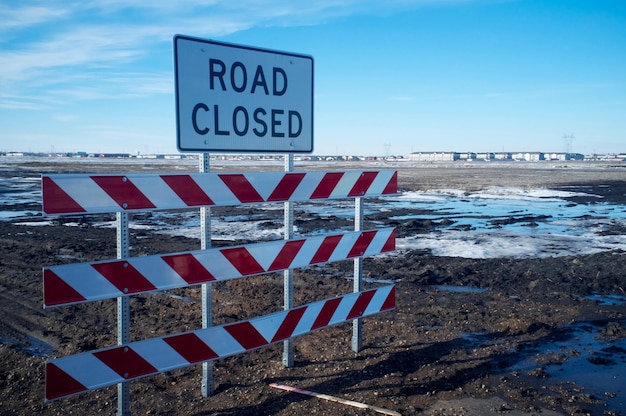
x=288, y=349
x=123, y=311
x=358, y=275
x=208, y=385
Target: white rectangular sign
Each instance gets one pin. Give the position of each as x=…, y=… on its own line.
x=240, y=98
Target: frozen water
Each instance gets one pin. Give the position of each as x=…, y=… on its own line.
x=495, y=222
x=584, y=358
x=506, y=222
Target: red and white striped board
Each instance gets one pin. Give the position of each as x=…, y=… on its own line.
x=84, y=282
x=83, y=193
x=100, y=368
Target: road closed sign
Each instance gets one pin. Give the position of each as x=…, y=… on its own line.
x=233, y=98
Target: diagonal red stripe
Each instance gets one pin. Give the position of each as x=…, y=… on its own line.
x=390, y=302
x=327, y=185
x=286, y=255
x=56, y=200
x=60, y=384
x=286, y=187
x=189, y=268
x=325, y=315
x=125, y=362
x=363, y=184
x=362, y=243
x=188, y=190
x=358, y=309
x=124, y=276
x=123, y=191
x=392, y=185
x=390, y=244
x=289, y=324
x=57, y=292
x=246, y=335
x=243, y=261
x=241, y=188
x=192, y=348
x=326, y=249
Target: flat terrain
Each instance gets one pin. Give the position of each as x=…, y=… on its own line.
x=439, y=353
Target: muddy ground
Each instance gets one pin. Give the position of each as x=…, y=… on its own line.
x=438, y=353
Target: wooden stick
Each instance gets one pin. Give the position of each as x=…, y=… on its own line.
x=336, y=399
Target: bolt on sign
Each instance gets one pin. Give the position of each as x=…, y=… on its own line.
x=240, y=98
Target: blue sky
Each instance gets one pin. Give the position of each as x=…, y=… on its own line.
x=396, y=75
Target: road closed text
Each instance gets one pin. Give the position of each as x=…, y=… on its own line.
x=219, y=120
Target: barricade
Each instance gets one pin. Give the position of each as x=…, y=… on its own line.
x=71, y=194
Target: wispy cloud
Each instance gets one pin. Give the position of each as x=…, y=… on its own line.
x=20, y=16
x=8, y=103
x=68, y=45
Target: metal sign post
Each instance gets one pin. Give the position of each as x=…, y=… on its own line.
x=358, y=263
x=208, y=386
x=123, y=311
x=288, y=350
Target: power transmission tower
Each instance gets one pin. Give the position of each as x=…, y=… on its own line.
x=387, y=147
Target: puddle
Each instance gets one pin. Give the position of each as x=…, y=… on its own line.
x=608, y=300
x=491, y=223
x=10, y=215
x=582, y=356
x=458, y=289
x=34, y=223
x=475, y=338
x=383, y=281
x=32, y=346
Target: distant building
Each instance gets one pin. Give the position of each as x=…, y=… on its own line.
x=529, y=156
x=485, y=156
x=564, y=156
x=115, y=155
x=621, y=157
x=434, y=156
x=502, y=156
x=467, y=156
